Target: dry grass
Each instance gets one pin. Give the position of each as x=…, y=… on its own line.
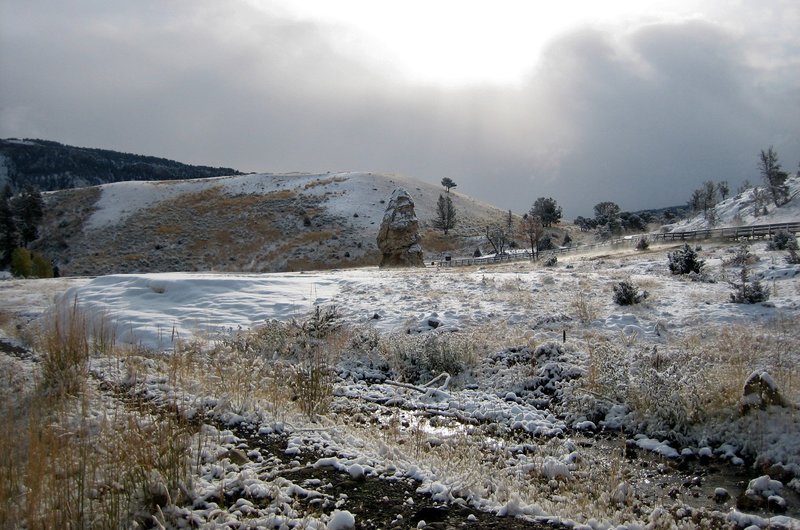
x=64, y=466
x=435, y=241
x=585, y=308
x=697, y=378
x=170, y=229
x=324, y=182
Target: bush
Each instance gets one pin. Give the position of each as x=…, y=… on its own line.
x=625, y=293
x=749, y=292
x=781, y=241
x=419, y=358
x=746, y=291
x=685, y=261
x=28, y=264
x=792, y=258
x=642, y=244
x=551, y=261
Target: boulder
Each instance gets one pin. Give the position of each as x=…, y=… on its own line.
x=760, y=391
x=398, y=237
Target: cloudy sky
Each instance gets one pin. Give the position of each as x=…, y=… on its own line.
x=632, y=101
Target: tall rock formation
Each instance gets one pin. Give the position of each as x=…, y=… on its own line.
x=398, y=237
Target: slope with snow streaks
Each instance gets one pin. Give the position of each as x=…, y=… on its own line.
x=740, y=210
x=242, y=223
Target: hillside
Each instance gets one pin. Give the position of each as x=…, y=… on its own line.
x=49, y=165
x=741, y=210
x=242, y=223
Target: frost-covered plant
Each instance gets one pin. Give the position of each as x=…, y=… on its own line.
x=551, y=261
x=747, y=291
x=625, y=293
x=792, y=257
x=642, y=244
x=314, y=373
x=685, y=261
x=65, y=344
x=419, y=358
x=584, y=308
x=781, y=241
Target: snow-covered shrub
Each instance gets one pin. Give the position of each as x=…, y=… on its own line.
x=747, y=291
x=419, y=358
x=792, y=257
x=585, y=310
x=642, y=244
x=625, y=293
x=685, y=261
x=315, y=350
x=551, y=261
x=781, y=240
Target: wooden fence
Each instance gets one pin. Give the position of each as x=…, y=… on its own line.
x=732, y=233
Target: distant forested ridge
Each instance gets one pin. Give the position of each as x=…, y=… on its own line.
x=48, y=165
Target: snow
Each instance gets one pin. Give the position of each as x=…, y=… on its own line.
x=739, y=210
x=517, y=304
x=341, y=520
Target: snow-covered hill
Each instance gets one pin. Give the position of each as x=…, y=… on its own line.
x=741, y=210
x=243, y=223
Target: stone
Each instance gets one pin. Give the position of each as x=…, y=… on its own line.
x=760, y=391
x=398, y=237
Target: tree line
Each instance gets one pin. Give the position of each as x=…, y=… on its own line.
x=20, y=216
x=609, y=220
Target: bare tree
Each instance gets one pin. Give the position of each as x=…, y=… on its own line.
x=497, y=237
x=532, y=229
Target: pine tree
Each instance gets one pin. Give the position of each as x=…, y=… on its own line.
x=445, y=214
x=28, y=210
x=774, y=176
x=448, y=183
x=8, y=230
x=548, y=210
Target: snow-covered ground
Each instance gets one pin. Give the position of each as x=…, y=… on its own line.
x=515, y=421
x=740, y=210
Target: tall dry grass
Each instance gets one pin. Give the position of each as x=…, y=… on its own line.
x=71, y=457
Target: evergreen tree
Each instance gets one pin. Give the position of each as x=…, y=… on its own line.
x=448, y=183
x=548, y=210
x=445, y=214
x=8, y=230
x=606, y=212
x=774, y=176
x=28, y=209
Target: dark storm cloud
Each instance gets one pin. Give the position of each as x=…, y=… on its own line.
x=639, y=118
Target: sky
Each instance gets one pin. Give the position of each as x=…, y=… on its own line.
x=635, y=102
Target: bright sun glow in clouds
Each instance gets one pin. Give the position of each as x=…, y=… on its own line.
x=458, y=42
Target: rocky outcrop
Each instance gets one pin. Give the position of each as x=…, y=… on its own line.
x=398, y=237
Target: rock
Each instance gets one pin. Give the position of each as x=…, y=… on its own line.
x=760, y=391
x=398, y=237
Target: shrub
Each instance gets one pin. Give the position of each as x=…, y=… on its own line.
x=781, y=241
x=28, y=264
x=551, y=261
x=685, y=261
x=746, y=291
x=792, y=258
x=625, y=293
x=642, y=244
x=419, y=358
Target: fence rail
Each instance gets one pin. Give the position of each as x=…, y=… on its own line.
x=733, y=233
